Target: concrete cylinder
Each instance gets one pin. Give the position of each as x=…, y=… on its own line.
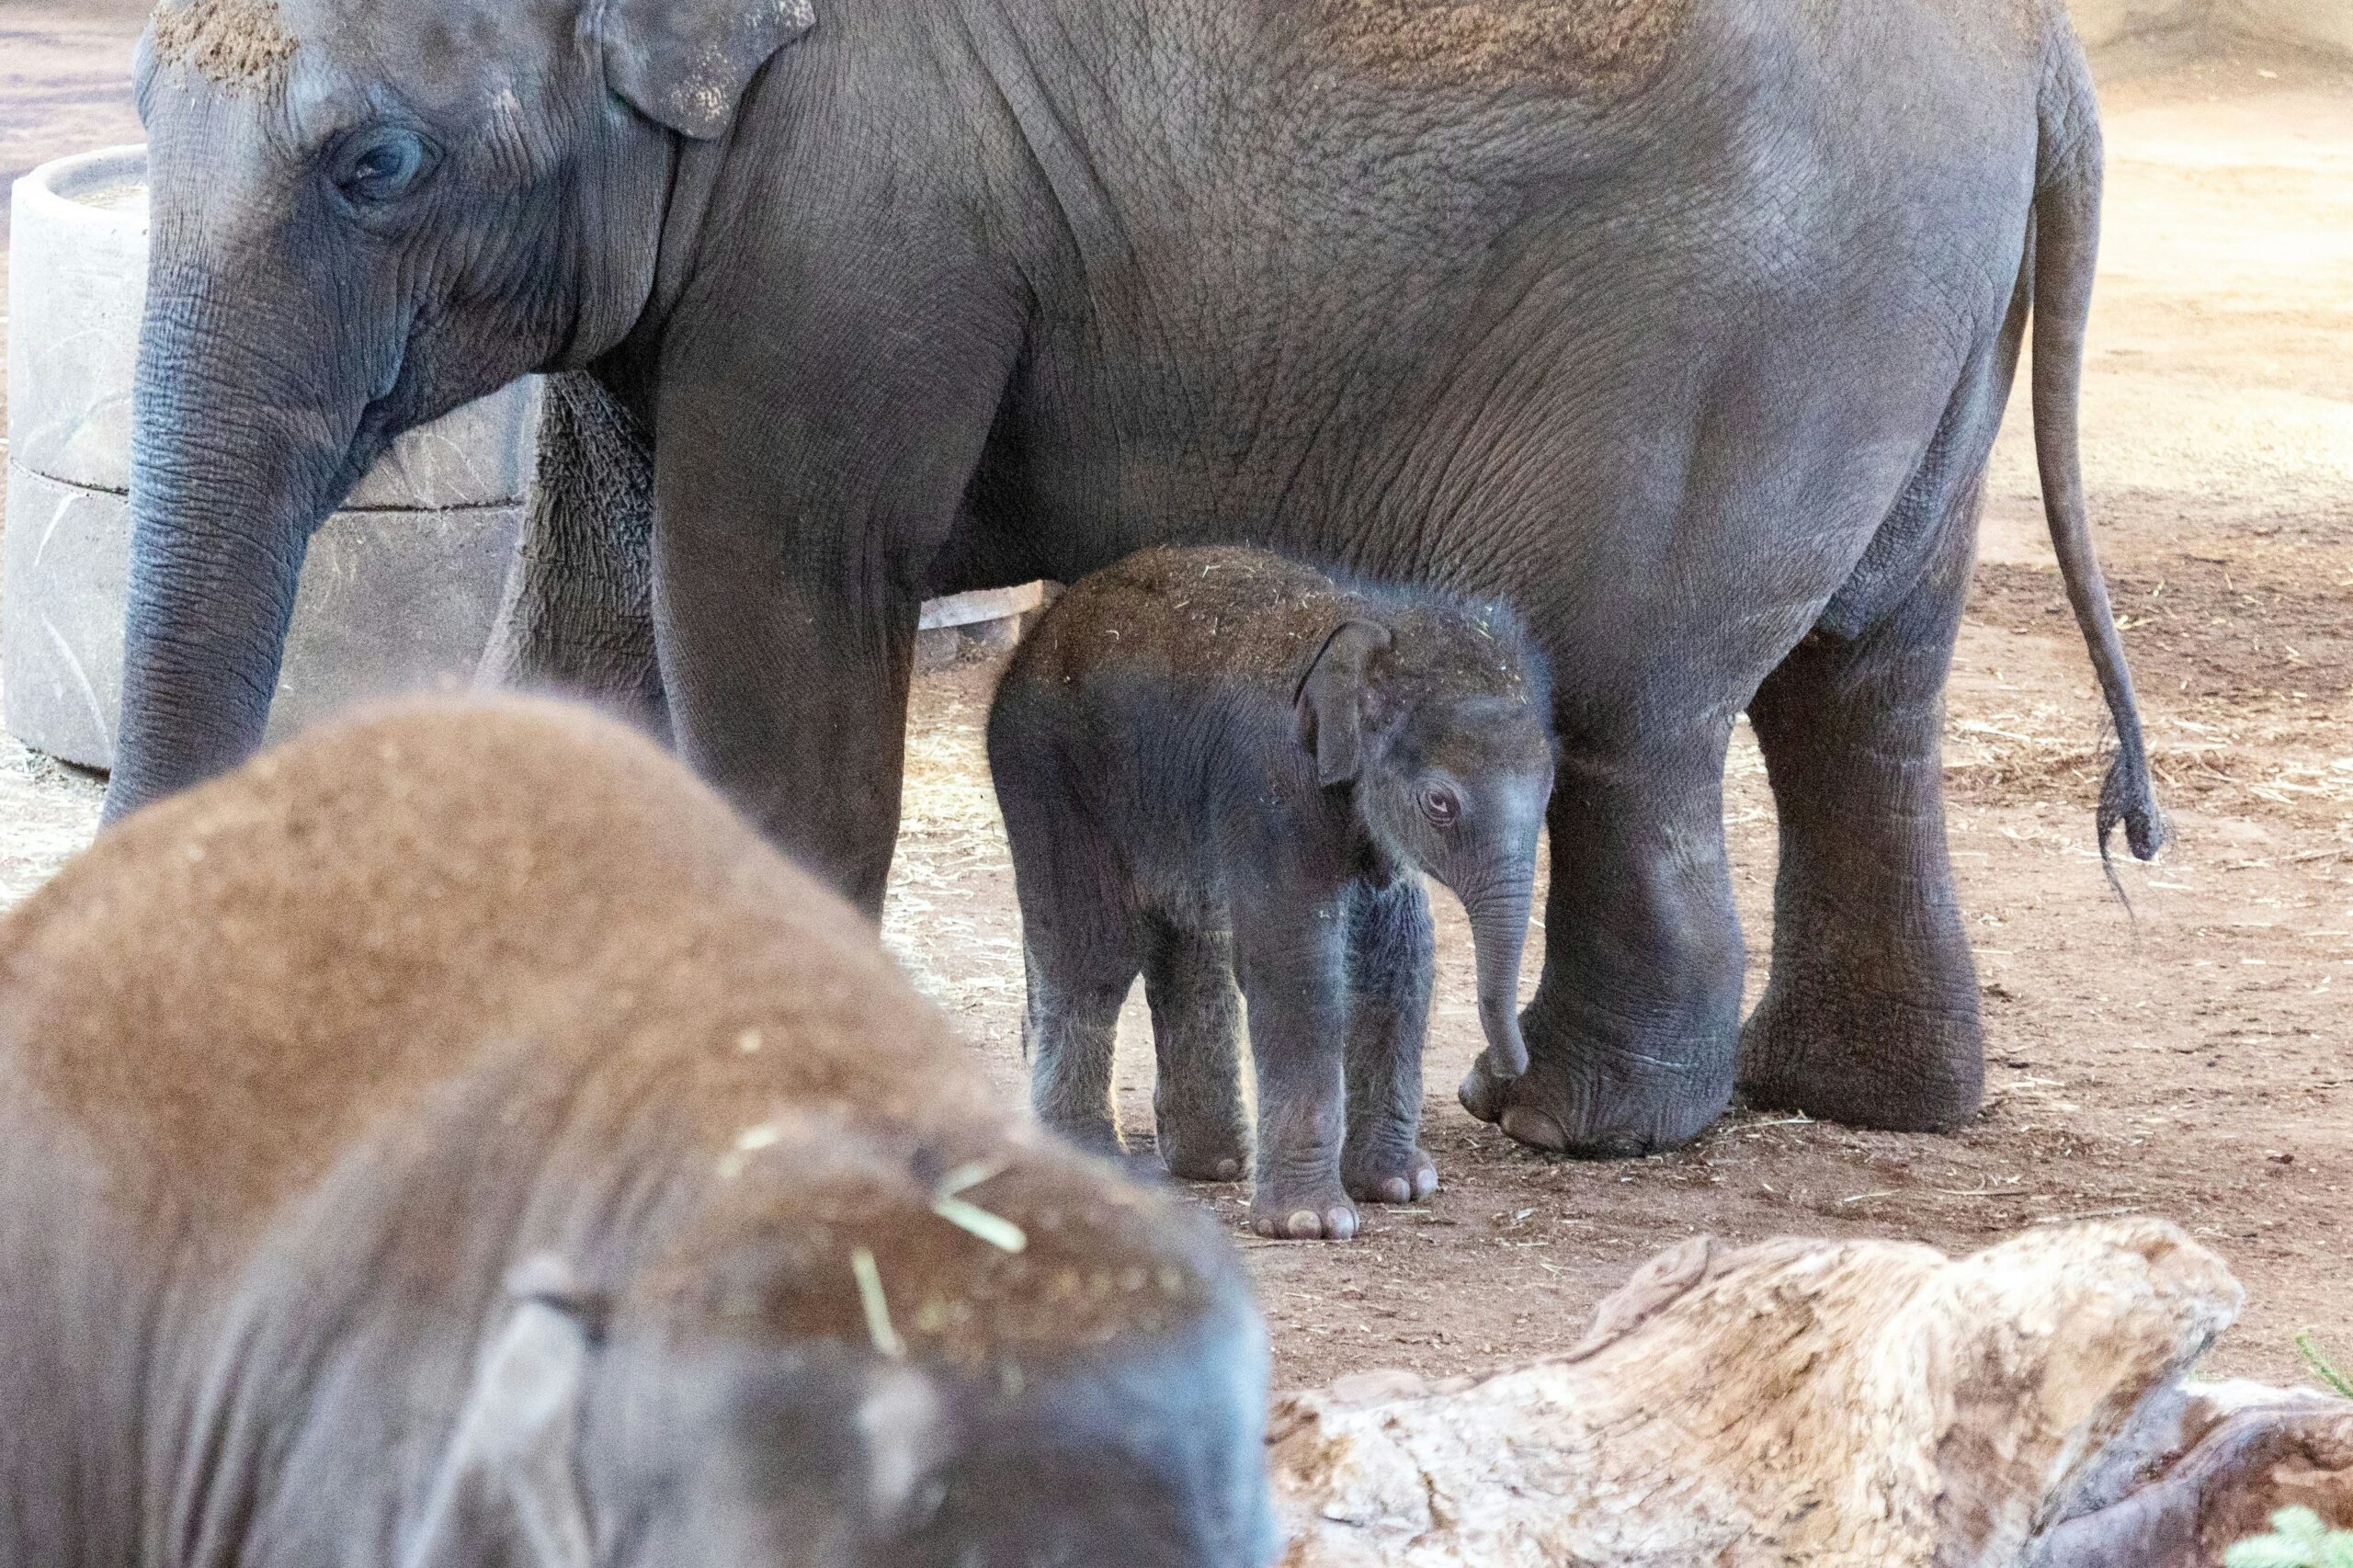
x=2103, y=23
x=2325, y=26
x=399, y=588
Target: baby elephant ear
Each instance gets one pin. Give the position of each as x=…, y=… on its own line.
x=1330, y=700
x=507, y=1494
x=685, y=63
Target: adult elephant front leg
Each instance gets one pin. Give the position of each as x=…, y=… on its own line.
x=1631, y=1033
x=1871, y=1016
x=797, y=511
x=786, y=661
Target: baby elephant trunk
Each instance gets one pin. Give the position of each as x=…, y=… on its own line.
x=1499, y=930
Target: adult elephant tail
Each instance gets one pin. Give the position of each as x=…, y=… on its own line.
x=2066, y=246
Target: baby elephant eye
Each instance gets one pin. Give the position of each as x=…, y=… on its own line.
x=1441, y=805
x=383, y=165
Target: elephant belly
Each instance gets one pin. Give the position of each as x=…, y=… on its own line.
x=1658, y=375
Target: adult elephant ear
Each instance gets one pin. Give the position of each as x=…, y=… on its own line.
x=1330, y=700
x=685, y=63
x=508, y=1493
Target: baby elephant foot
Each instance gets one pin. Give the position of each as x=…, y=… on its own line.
x=1205, y=1158
x=1302, y=1212
x=1095, y=1135
x=1389, y=1176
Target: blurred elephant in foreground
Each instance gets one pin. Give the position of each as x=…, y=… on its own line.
x=456, y=1138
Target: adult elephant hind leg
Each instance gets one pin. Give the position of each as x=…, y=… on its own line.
x=1391, y=954
x=1198, y=1119
x=1870, y=1014
x=1632, y=1034
x=577, y=614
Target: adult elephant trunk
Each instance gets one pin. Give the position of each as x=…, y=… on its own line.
x=1499, y=932
x=247, y=436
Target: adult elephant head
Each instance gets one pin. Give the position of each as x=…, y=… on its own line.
x=364, y=214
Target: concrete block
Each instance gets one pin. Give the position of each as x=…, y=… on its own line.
x=77, y=282
x=982, y=605
x=401, y=587
x=2101, y=23
x=2323, y=25
x=390, y=601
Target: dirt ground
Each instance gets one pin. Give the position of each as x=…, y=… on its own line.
x=2189, y=1057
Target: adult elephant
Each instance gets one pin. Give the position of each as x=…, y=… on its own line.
x=1684, y=325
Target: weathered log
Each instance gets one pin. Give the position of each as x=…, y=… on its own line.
x=1828, y=1402
x=2204, y=1468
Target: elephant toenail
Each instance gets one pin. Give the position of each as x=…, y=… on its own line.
x=1535, y=1129
x=1340, y=1225
x=1228, y=1170
x=1395, y=1191
x=1302, y=1222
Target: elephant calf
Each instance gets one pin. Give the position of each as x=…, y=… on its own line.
x=1217, y=762
x=455, y=1138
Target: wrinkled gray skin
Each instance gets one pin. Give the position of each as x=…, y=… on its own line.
x=577, y=614
x=1687, y=335
x=1218, y=765
x=484, y=1188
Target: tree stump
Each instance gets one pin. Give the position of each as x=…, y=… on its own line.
x=1868, y=1403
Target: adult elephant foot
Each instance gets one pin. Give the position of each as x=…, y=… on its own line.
x=1395, y=1173
x=1190, y=1156
x=1631, y=1035
x=1866, y=1042
x=1584, y=1103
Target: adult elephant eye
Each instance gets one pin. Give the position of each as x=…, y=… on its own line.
x=383, y=165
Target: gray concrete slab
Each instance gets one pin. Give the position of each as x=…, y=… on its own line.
x=390, y=601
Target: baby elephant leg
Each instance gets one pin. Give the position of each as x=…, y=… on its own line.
x=1390, y=958
x=1071, y=1032
x=1203, y=1132
x=1293, y=962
